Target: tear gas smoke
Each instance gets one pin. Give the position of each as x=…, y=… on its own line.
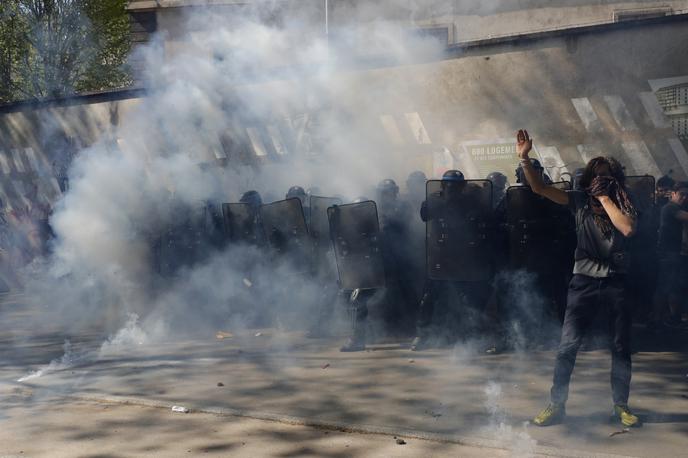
x=128, y=188
x=518, y=442
x=67, y=360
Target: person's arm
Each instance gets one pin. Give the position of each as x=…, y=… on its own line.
x=682, y=215
x=625, y=224
x=523, y=146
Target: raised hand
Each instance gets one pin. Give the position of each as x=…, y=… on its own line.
x=523, y=144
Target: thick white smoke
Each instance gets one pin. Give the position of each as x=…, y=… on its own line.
x=132, y=185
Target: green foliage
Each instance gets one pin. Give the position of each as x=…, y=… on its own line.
x=55, y=48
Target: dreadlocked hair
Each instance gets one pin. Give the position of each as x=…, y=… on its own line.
x=607, y=185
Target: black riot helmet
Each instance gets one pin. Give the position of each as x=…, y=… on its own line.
x=388, y=186
x=453, y=183
x=453, y=175
x=296, y=191
x=498, y=180
x=416, y=178
x=252, y=198
x=387, y=191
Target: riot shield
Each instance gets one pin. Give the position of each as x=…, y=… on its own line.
x=355, y=234
x=458, y=218
x=286, y=232
x=241, y=224
x=324, y=263
x=642, y=191
x=181, y=244
x=319, y=226
x=539, y=231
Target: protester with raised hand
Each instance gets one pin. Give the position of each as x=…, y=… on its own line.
x=605, y=219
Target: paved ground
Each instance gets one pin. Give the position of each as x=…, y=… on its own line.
x=457, y=394
x=91, y=429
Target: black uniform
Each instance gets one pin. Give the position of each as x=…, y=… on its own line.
x=459, y=255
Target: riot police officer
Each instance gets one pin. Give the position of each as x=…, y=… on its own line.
x=395, y=217
x=538, y=233
x=415, y=249
x=539, y=169
x=299, y=193
x=254, y=200
x=415, y=187
x=499, y=185
x=454, y=212
x=359, y=297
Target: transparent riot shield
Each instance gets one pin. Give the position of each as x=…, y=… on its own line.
x=241, y=224
x=286, y=232
x=458, y=217
x=324, y=264
x=539, y=231
x=181, y=244
x=356, y=236
x=319, y=226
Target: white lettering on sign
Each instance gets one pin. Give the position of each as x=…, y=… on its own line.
x=489, y=152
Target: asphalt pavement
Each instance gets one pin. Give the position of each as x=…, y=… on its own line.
x=457, y=395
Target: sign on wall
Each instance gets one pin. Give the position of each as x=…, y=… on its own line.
x=492, y=156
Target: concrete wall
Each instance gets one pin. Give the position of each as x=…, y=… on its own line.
x=579, y=95
x=38, y=141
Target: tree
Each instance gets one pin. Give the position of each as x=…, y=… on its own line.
x=12, y=48
x=55, y=48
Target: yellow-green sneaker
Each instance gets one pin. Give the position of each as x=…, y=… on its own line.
x=551, y=415
x=623, y=413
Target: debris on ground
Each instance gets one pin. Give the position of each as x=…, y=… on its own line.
x=223, y=335
x=616, y=433
x=434, y=413
x=401, y=442
x=247, y=282
x=220, y=384
x=258, y=334
x=326, y=366
x=180, y=409
x=412, y=360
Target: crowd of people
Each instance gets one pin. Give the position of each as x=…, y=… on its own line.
x=618, y=242
x=473, y=258
x=455, y=258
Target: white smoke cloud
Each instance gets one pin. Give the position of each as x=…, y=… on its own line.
x=517, y=441
x=144, y=176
